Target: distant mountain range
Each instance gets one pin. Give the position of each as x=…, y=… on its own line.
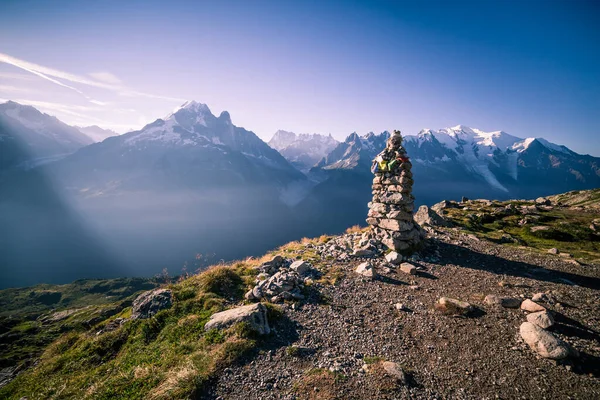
x=194, y=183
x=29, y=137
x=303, y=150
x=96, y=133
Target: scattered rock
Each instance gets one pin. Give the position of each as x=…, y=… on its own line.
x=544, y=343
x=543, y=319
x=394, y=258
x=530, y=306
x=539, y=297
x=554, y=250
x=542, y=201
x=280, y=280
x=408, y=268
x=254, y=314
x=401, y=307
x=506, y=302
x=451, y=306
x=366, y=269
x=395, y=371
x=149, y=303
x=427, y=216
x=301, y=267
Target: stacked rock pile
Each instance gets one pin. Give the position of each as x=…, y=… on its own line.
x=391, y=211
x=280, y=279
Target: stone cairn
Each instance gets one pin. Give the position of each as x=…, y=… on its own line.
x=391, y=211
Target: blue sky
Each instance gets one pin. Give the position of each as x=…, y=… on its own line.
x=529, y=68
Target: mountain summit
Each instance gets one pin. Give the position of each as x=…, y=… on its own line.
x=501, y=162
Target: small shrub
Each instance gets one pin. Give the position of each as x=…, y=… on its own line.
x=214, y=336
x=222, y=280
x=373, y=360
x=354, y=229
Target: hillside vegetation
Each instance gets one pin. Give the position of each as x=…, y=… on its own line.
x=567, y=222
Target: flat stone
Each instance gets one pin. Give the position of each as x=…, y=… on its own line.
x=451, y=306
x=545, y=343
x=506, y=302
x=408, y=268
x=543, y=319
x=366, y=269
x=395, y=225
x=254, y=314
x=554, y=250
x=530, y=306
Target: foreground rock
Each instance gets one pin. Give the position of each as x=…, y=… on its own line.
x=528, y=305
x=425, y=216
x=408, y=268
x=450, y=306
x=395, y=371
x=506, y=302
x=365, y=269
x=254, y=314
x=149, y=303
x=543, y=319
x=544, y=343
x=280, y=279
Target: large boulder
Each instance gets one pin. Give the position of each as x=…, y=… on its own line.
x=426, y=216
x=149, y=303
x=544, y=343
x=254, y=314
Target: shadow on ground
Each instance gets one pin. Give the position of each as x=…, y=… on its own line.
x=467, y=258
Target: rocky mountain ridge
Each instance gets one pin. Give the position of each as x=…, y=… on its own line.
x=29, y=138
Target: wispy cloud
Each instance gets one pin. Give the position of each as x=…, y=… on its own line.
x=106, y=77
x=100, y=80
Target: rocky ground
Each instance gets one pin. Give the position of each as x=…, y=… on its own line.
x=331, y=346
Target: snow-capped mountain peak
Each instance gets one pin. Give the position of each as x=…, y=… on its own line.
x=480, y=152
x=302, y=150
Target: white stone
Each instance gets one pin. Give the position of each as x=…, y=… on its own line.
x=394, y=258
x=408, y=268
x=543, y=319
x=254, y=314
x=544, y=343
x=530, y=306
x=300, y=266
x=365, y=269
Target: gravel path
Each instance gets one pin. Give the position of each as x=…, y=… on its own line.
x=481, y=357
